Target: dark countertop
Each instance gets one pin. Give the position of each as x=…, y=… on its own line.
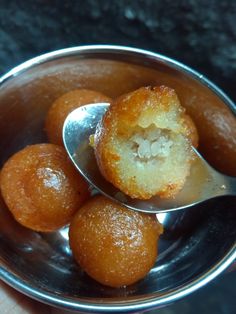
x=201, y=34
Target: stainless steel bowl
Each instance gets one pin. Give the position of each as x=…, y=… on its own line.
x=198, y=244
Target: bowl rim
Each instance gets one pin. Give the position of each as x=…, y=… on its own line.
x=119, y=50
x=105, y=305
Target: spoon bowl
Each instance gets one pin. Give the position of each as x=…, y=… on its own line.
x=202, y=184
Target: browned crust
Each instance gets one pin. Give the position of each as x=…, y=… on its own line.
x=34, y=201
x=64, y=105
x=121, y=117
x=100, y=241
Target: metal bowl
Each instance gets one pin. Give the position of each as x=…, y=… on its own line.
x=198, y=244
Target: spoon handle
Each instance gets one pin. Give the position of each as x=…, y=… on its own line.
x=222, y=184
x=215, y=183
x=229, y=185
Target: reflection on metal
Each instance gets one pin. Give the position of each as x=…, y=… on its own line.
x=197, y=245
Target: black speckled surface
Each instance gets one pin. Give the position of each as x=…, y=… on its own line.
x=199, y=33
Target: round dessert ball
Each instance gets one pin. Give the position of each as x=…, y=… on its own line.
x=143, y=143
x=112, y=244
x=66, y=104
x=41, y=187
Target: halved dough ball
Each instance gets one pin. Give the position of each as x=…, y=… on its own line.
x=114, y=245
x=143, y=143
x=41, y=187
x=66, y=104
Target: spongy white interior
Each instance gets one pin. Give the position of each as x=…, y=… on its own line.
x=155, y=157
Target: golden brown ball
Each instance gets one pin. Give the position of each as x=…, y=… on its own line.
x=66, y=104
x=143, y=143
x=114, y=245
x=41, y=187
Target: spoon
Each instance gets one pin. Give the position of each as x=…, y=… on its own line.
x=202, y=184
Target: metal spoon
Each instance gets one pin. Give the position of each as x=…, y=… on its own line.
x=202, y=184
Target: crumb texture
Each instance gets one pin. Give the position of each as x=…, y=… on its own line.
x=143, y=144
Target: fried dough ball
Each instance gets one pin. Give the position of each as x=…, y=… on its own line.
x=114, y=245
x=66, y=104
x=41, y=187
x=143, y=143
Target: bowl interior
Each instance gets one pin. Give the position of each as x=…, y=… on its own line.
x=195, y=242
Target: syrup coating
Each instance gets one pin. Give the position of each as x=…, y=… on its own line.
x=64, y=105
x=143, y=143
x=112, y=244
x=217, y=131
x=41, y=187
